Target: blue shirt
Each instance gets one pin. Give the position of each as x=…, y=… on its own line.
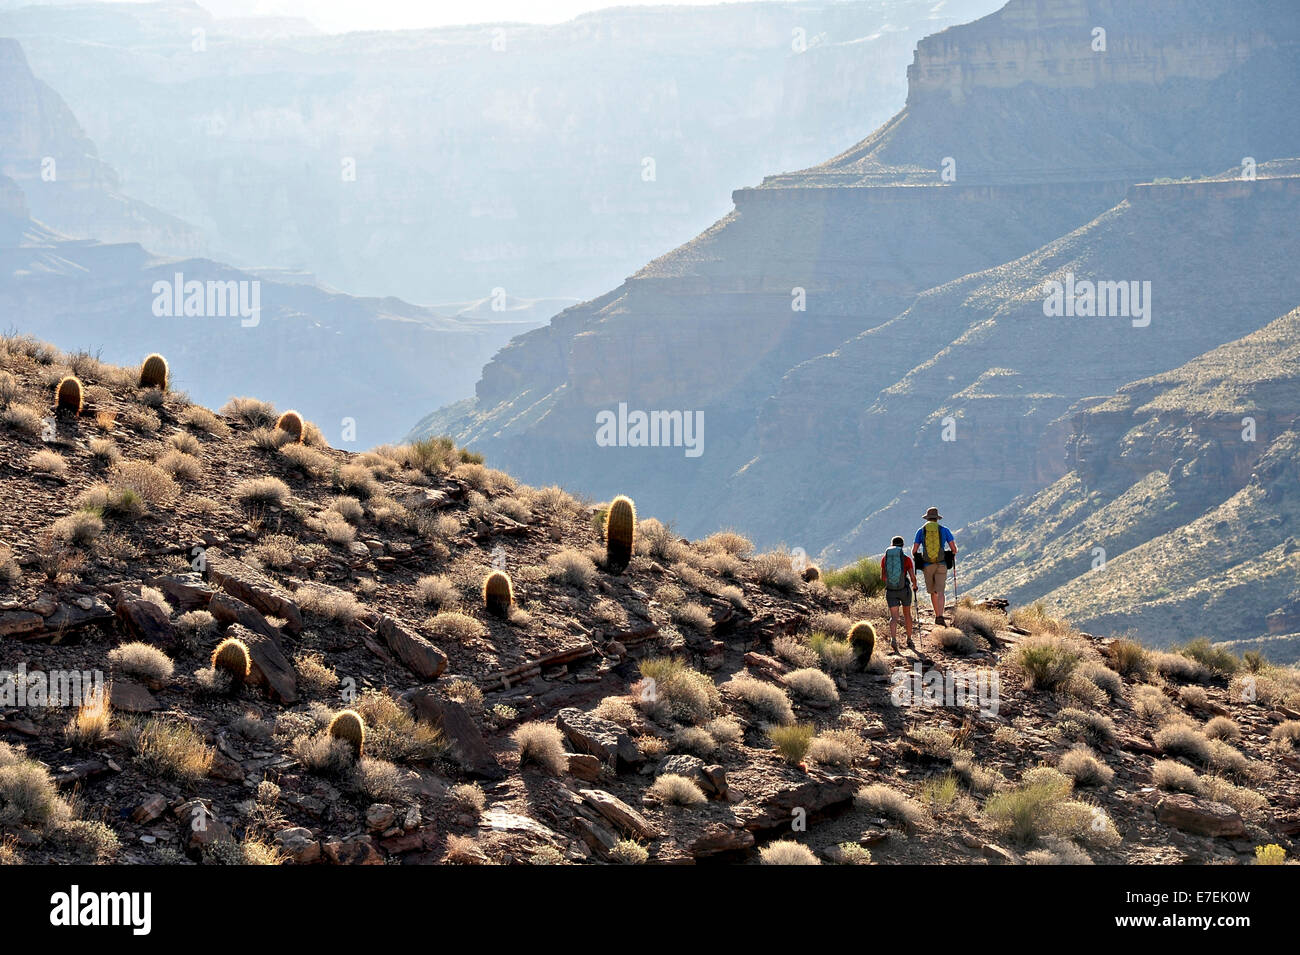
x=945, y=538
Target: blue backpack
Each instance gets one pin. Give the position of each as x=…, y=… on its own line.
x=895, y=578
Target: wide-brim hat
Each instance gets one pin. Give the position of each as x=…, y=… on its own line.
x=933, y=514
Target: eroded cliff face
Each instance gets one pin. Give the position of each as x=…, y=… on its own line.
x=44, y=151
x=1180, y=505
x=924, y=297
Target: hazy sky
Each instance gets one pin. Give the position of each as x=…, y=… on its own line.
x=344, y=15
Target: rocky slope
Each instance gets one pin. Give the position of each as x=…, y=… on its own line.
x=1187, y=481
x=140, y=531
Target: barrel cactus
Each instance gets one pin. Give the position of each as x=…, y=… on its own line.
x=69, y=396
x=291, y=423
x=498, y=593
x=620, y=533
x=348, y=726
x=231, y=656
x=863, y=637
x=154, y=373
x=812, y=572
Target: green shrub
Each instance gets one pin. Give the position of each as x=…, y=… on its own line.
x=792, y=742
x=862, y=576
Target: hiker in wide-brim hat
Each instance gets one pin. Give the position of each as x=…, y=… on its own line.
x=935, y=550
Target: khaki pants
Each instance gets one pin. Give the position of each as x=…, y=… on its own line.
x=936, y=577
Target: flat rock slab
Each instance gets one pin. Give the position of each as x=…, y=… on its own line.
x=620, y=813
x=15, y=623
x=422, y=657
x=770, y=799
x=499, y=820
x=131, y=697
x=602, y=738
x=231, y=610
x=254, y=588
x=146, y=621
x=271, y=668
x=184, y=591
x=467, y=743
x=81, y=612
x=1199, y=816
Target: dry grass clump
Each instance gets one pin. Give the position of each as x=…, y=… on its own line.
x=171, y=748
x=571, y=567
x=338, y=606
x=105, y=451
x=725, y=731
x=835, y=654
x=151, y=484
x=795, y=652
x=142, y=420
x=144, y=662
x=467, y=694
x=468, y=797
x=181, y=466
x=435, y=590
x=314, y=674
x=1040, y=806
x=276, y=551
x=455, y=627
x=1150, y=703
x=983, y=624
x=696, y=740
x=10, y=570
x=657, y=540
x=891, y=804
x=1096, y=728
x=629, y=852
x=79, y=528
x=1038, y=621
x=813, y=685
x=393, y=734
x=305, y=460
x=787, y=852
x=616, y=709
x=674, y=790
x=1129, y=658
x=1222, y=728
x=954, y=640
x=250, y=412
x=775, y=569
x=1082, y=764
x=1102, y=677
x=541, y=744
x=727, y=542
x=196, y=625
x=50, y=462
x=28, y=795
x=1288, y=731
x=671, y=690
x=23, y=418
x=92, y=722
x=1179, y=668
x=692, y=615
x=769, y=702
x=203, y=421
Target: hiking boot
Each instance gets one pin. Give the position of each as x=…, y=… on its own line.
x=895, y=645
x=939, y=621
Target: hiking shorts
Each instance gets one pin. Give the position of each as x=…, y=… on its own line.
x=898, y=598
x=936, y=577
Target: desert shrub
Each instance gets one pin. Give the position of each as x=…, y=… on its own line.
x=791, y=742
x=571, y=567
x=862, y=577
x=786, y=852
x=92, y=722
x=455, y=627
x=1183, y=739
x=792, y=651
x=954, y=640
x=727, y=542
x=144, y=661
x=658, y=540
x=1216, y=659
x=1085, y=768
x=977, y=623
x=671, y=688
x=1030, y=810
x=1288, y=731
x=23, y=418
x=393, y=734
x=813, y=685
x=1174, y=776
x=1102, y=677
x=1038, y=621
x=768, y=702
x=828, y=749
x=1194, y=696
x=1096, y=728
x=616, y=709
x=46, y=461
x=250, y=412
x=1222, y=728
x=891, y=804
x=725, y=731
x=694, y=739
x=1150, y=703
x=1244, y=800
x=1180, y=668
x=629, y=852
x=1046, y=661
x=542, y=744
x=323, y=755
x=674, y=790
x=181, y=466
x=836, y=655
x=338, y=606
x=314, y=674
x=1129, y=658
x=468, y=797
x=776, y=569
x=262, y=492
x=1271, y=854
x=196, y=624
